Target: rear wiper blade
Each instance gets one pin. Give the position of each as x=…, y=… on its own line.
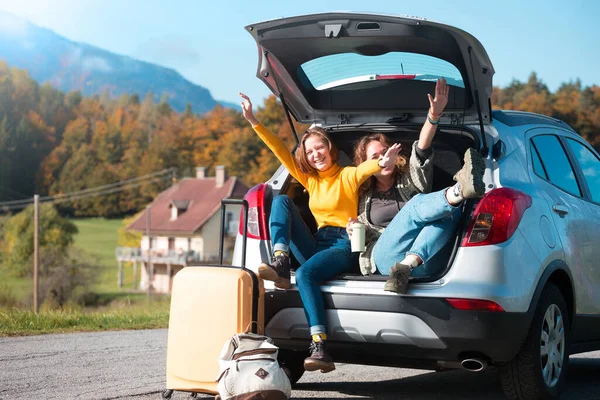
x=399, y=119
x=363, y=125
x=344, y=127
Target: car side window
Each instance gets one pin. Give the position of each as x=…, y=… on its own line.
x=538, y=168
x=556, y=164
x=590, y=165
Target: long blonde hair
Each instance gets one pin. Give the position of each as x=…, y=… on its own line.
x=302, y=160
x=360, y=156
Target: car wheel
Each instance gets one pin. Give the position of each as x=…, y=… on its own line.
x=538, y=371
x=293, y=362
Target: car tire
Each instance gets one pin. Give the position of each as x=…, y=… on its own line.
x=532, y=375
x=293, y=361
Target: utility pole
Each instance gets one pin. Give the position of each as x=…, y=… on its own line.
x=36, y=252
x=150, y=266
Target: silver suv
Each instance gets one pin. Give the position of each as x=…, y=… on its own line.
x=518, y=288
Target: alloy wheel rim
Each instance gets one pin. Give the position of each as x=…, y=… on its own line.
x=552, y=345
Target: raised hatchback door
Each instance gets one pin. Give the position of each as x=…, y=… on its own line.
x=356, y=68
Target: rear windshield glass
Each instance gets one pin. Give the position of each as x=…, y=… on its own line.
x=348, y=68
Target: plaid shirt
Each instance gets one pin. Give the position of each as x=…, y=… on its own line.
x=418, y=179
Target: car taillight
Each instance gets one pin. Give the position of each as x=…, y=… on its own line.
x=475, y=305
x=496, y=217
x=258, y=227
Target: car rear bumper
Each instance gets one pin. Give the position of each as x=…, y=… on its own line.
x=392, y=330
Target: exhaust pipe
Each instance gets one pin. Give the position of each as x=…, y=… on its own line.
x=474, y=364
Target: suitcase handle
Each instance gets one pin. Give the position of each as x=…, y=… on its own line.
x=224, y=204
x=258, y=329
x=255, y=283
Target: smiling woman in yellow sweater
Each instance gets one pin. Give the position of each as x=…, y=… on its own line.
x=333, y=192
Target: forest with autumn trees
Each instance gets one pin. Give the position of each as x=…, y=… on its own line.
x=53, y=143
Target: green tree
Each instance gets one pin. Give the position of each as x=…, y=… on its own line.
x=106, y=142
x=147, y=115
x=76, y=134
x=78, y=174
x=164, y=109
x=134, y=99
x=188, y=113
x=72, y=99
x=56, y=232
x=24, y=162
x=6, y=160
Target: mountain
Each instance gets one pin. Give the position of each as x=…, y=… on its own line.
x=69, y=65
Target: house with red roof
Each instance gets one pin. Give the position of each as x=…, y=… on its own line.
x=181, y=227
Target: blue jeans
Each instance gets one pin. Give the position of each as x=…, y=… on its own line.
x=422, y=227
x=321, y=257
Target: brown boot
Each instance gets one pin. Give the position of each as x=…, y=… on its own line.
x=398, y=280
x=278, y=271
x=470, y=176
x=319, y=359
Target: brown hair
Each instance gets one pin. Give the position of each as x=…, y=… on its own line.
x=302, y=160
x=360, y=156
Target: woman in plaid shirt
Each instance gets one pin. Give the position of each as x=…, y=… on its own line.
x=405, y=224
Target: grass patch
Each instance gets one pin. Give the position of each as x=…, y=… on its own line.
x=15, y=291
x=112, y=308
x=99, y=237
x=127, y=313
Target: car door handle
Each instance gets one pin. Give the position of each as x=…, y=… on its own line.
x=560, y=210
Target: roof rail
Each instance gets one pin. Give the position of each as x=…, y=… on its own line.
x=518, y=118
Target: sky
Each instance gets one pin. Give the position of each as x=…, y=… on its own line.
x=206, y=42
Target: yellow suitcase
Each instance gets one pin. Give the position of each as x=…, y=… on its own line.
x=209, y=304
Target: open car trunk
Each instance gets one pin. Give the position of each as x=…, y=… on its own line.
x=449, y=146
x=342, y=67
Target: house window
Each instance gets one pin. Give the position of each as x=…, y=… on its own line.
x=178, y=207
x=171, y=243
x=229, y=229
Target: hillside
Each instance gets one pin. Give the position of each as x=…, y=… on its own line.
x=68, y=65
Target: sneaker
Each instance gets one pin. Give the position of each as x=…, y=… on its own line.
x=398, y=280
x=470, y=176
x=319, y=359
x=278, y=271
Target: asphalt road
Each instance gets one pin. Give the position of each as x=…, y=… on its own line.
x=131, y=365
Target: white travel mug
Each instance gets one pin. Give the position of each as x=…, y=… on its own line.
x=357, y=239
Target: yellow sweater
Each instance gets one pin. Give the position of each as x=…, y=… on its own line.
x=333, y=193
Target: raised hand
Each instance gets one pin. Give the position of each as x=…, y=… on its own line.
x=247, y=109
x=389, y=158
x=439, y=102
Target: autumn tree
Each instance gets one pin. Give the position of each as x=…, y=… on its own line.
x=577, y=106
x=59, y=143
